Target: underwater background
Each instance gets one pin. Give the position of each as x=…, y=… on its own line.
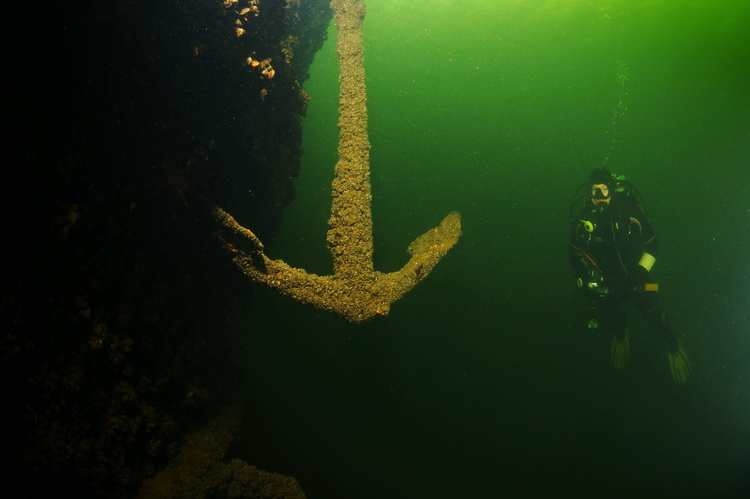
x=484, y=380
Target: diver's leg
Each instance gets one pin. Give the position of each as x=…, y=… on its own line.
x=647, y=302
x=613, y=317
x=679, y=365
x=620, y=351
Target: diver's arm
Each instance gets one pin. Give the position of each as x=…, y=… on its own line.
x=577, y=261
x=647, y=237
x=575, y=251
x=648, y=247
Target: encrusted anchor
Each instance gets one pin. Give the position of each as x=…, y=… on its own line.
x=355, y=291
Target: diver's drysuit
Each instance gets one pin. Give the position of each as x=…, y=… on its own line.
x=609, y=246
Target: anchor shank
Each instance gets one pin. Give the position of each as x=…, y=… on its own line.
x=350, y=225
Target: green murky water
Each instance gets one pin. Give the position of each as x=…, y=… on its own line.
x=484, y=381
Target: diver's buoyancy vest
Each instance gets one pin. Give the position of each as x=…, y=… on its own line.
x=608, y=234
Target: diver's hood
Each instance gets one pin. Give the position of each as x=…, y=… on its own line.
x=602, y=176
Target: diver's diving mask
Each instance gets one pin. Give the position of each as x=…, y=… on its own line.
x=599, y=191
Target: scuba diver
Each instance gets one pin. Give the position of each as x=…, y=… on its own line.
x=612, y=250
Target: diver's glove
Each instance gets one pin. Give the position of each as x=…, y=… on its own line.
x=639, y=277
x=679, y=365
